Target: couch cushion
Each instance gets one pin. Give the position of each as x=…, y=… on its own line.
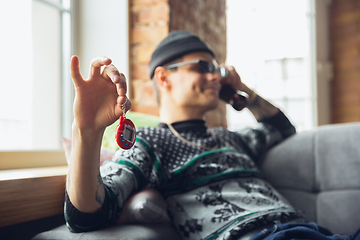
x=290, y=165
x=319, y=173
x=305, y=201
x=339, y=210
x=327, y=158
x=337, y=157
x=118, y=232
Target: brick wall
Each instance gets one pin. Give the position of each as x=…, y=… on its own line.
x=149, y=24
x=151, y=21
x=345, y=54
x=207, y=19
x=203, y=17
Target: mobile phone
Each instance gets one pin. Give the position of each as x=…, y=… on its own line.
x=125, y=133
x=237, y=99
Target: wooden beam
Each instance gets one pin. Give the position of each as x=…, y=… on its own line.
x=31, y=159
x=31, y=194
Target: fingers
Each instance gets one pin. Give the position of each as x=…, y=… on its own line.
x=95, y=68
x=234, y=74
x=231, y=75
x=97, y=63
x=123, y=105
x=112, y=73
x=233, y=78
x=75, y=71
x=121, y=86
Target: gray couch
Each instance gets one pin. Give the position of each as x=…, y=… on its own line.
x=317, y=171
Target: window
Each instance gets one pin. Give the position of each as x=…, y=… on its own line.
x=271, y=44
x=34, y=89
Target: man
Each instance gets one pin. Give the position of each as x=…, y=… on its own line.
x=208, y=177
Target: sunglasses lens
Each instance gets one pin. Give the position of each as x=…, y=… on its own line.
x=207, y=66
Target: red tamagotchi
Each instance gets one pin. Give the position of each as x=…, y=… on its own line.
x=125, y=133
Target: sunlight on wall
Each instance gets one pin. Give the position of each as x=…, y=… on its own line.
x=269, y=45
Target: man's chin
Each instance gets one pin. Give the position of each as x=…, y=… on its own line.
x=213, y=105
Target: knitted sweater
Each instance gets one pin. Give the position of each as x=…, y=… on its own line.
x=214, y=194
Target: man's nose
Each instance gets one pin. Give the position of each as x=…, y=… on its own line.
x=213, y=76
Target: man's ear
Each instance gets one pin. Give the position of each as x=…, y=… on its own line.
x=160, y=76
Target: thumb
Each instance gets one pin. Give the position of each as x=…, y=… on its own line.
x=75, y=71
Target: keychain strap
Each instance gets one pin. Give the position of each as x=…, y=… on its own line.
x=125, y=133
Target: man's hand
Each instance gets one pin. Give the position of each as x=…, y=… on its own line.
x=258, y=106
x=234, y=80
x=97, y=104
x=98, y=99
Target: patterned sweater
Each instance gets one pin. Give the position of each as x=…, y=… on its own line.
x=215, y=194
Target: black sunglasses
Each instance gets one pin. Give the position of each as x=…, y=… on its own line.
x=206, y=67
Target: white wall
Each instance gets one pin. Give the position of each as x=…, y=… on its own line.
x=101, y=29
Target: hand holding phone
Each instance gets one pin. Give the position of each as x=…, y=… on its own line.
x=237, y=99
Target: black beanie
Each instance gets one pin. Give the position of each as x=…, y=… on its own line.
x=175, y=45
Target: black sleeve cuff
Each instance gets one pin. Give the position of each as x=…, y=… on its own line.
x=78, y=221
x=281, y=123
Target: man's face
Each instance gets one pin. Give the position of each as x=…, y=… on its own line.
x=192, y=87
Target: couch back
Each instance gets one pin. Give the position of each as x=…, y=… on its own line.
x=319, y=173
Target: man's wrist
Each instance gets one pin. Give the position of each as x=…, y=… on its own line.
x=252, y=94
x=252, y=98
x=87, y=136
x=87, y=131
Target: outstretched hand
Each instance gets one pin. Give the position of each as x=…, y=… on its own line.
x=98, y=99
